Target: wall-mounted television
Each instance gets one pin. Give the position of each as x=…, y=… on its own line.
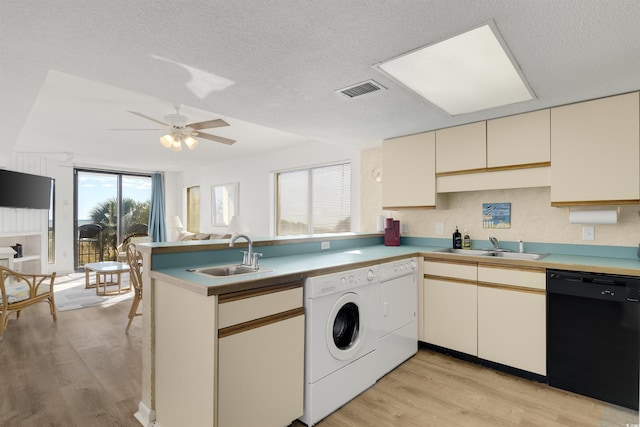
x=23, y=190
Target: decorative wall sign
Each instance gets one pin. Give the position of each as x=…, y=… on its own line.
x=496, y=215
x=224, y=203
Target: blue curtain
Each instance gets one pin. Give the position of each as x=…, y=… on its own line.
x=157, y=224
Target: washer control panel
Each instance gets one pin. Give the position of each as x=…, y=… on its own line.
x=318, y=286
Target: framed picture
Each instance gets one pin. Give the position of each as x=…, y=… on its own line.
x=496, y=215
x=224, y=203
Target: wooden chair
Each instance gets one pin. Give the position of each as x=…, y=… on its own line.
x=134, y=259
x=18, y=291
x=131, y=238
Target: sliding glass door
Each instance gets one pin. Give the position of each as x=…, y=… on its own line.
x=109, y=206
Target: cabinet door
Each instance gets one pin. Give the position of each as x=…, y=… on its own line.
x=520, y=140
x=512, y=328
x=512, y=316
x=408, y=171
x=261, y=375
x=462, y=149
x=595, y=151
x=450, y=315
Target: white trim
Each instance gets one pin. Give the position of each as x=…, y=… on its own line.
x=145, y=416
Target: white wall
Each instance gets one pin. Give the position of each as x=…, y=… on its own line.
x=255, y=176
x=15, y=221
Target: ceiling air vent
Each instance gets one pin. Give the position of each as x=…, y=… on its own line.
x=360, y=89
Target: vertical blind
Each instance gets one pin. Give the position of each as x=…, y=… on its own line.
x=315, y=200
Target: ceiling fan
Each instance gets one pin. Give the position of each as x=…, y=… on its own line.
x=180, y=131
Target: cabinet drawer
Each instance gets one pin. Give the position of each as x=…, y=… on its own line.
x=455, y=269
x=516, y=276
x=235, y=311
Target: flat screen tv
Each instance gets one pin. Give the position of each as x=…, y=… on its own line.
x=23, y=190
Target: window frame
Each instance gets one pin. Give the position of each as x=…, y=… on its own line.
x=310, y=219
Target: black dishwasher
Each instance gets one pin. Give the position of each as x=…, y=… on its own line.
x=593, y=335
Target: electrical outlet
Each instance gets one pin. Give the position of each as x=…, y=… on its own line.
x=325, y=245
x=404, y=228
x=588, y=232
x=440, y=228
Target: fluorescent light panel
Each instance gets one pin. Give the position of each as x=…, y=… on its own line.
x=469, y=72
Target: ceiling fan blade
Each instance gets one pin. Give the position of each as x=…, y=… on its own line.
x=208, y=124
x=148, y=118
x=140, y=129
x=215, y=138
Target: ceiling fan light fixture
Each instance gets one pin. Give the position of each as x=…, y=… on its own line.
x=176, y=146
x=167, y=140
x=190, y=142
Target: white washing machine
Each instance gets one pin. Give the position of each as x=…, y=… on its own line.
x=398, y=311
x=341, y=336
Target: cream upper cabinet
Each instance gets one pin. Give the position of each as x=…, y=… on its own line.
x=595, y=152
x=462, y=149
x=522, y=140
x=512, y=317
x=408, y=172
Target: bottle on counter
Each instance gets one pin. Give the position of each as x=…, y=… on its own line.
x=466, y=240
x=457, y=239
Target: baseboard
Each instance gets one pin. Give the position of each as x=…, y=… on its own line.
x=145, y=416
x=483, y=362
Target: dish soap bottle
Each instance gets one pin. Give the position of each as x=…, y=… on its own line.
x=466, y=240
x=457, y=239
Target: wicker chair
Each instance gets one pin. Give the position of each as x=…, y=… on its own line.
x=134, y=259
x=18, y=291
x=131, y=238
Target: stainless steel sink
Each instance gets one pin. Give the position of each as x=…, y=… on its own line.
x=474, y=252
x=494, y=253
x=228, y=270
x=520, y=255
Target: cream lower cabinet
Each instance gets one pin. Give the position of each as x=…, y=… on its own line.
x=230, y=360
x=261, y=359
x=450, y=305
x=512, y=317
x=494, y=312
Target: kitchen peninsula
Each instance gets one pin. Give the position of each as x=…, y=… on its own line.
x=183, y=310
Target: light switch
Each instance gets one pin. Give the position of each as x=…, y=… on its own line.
x=440, y=228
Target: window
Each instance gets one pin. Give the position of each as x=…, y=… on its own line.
x=193, y=209
x=314, y=201
x=109, y=206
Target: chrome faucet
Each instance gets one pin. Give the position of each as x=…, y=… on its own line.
x=494, y=242
x=249, y=258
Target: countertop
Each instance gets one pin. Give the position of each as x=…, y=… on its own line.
x=292, y=268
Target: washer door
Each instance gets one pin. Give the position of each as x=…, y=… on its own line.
x=345, y=327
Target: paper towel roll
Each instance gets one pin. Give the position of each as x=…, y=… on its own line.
x=594, y=217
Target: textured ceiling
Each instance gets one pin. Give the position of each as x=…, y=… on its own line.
x=70, y=70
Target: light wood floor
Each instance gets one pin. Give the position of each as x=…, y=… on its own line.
x=82, y=370
x=432, y=389
x=85, y=371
